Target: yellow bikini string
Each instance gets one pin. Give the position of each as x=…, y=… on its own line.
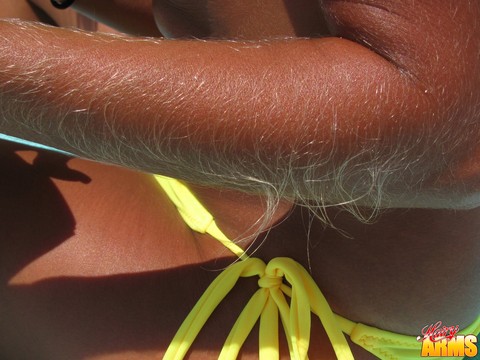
x=194, y=213
x=269, y=300
x=266, y=303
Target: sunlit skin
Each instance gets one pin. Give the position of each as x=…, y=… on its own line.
x=96, y=263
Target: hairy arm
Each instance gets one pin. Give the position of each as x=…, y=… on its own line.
x=378, y=114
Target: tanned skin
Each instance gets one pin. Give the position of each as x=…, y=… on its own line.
x=90, y=263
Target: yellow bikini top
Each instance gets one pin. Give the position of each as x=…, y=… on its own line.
x=269, y=302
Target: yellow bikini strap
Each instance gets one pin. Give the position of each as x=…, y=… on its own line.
x=388, y=345
x=194, y=213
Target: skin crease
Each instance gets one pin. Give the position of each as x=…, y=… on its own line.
x=385, y=274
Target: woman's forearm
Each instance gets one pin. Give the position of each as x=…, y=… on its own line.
x=325, y=119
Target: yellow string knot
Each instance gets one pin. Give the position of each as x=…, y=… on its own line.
x=270, y=282
x=266, y=306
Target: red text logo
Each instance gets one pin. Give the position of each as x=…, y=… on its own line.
x=439, y=340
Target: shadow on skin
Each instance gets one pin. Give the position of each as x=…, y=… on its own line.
x=73, y=317
x=77, y=317
x=55, y=166
x=34, y=217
